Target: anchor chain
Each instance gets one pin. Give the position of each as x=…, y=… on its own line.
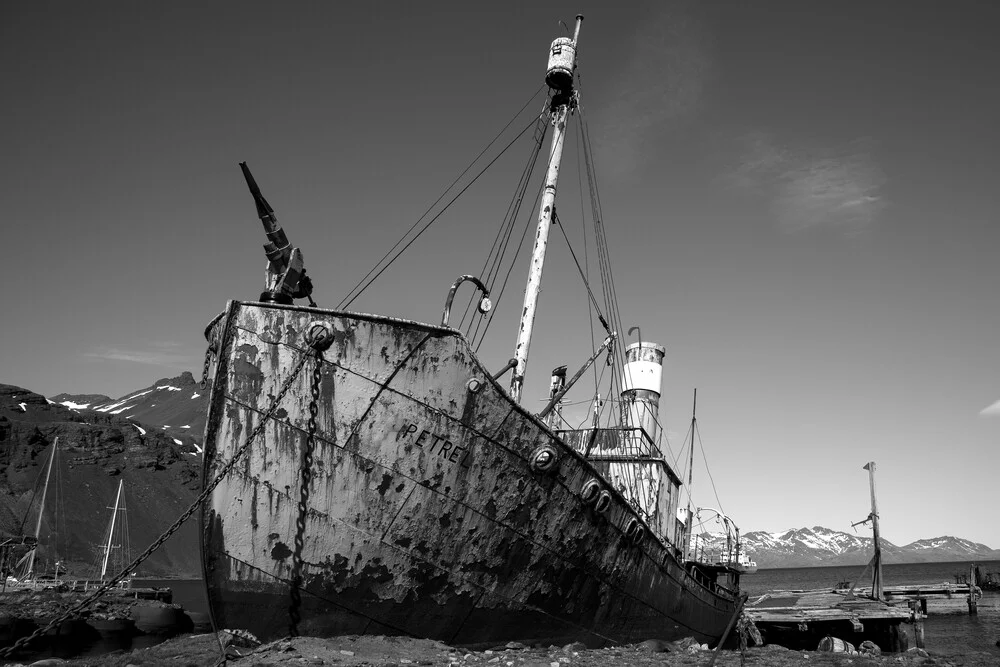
x=212, y=334
x=294, y=616
x=199, y=501
x=208, y=364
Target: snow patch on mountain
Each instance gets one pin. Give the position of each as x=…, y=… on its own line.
x=169, y=387
x=136, y=395
x=111, y=406
x=809, y=547
x=75, y=406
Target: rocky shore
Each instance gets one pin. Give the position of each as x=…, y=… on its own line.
x=205, y=650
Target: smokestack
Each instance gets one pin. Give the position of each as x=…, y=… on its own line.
x=641, y=394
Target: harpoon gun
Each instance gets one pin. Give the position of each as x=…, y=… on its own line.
x=286, y=275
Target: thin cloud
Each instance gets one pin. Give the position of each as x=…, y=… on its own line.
x=163, y=353
x=659, y=85
x=991, y=410
x=812, y=188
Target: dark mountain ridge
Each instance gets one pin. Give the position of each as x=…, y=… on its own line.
x=162, y=475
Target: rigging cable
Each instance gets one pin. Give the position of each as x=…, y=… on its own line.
x=586, y=250
x=357, y=290
x=583, y=276
x=707, y=469
x=510, y=269
x=499, y=248
x=604, y=260
x=498, y=251
x=610, y=292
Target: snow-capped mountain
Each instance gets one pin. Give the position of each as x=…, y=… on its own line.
x=818, y=546
x=176, y=407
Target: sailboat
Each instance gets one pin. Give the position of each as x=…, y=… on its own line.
x=370, y=475
x=24, y=575
x=115, y=552
x=700, y=553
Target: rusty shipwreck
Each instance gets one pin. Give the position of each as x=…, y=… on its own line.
x=373, y=476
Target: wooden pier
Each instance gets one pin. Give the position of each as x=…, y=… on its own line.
x=800, y=619
x=939, y=598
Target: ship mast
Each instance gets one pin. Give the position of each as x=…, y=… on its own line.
x=694, y=424
x=562, y=63
x=111, y=530
x=41, y=512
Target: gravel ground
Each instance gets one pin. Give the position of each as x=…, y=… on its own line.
x=204, y=651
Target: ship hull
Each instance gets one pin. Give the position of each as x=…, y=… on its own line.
x=424, y=516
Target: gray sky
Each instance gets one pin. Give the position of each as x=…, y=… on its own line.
x=800, y=198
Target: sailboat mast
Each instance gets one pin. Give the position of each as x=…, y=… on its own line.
x=111, y=530
x=694, y=422
x=690, y=516
x=41, y=508
x=562, y=63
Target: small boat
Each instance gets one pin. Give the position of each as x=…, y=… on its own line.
x=371, y=475
x=742, y=563
x=115, y=556
x=116, y=550
x=23, y=575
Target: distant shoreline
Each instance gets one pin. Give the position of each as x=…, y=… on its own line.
x=966, y=561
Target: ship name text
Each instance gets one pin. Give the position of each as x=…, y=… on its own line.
x=435, y=444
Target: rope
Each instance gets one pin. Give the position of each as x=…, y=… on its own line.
x=347, y=303
x=158, y=542
x=583, y=276
x=510, y=269
x=355, y=292
x=586, y=250
x=707, y=469
x=498, y=251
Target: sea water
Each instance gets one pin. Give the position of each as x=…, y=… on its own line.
x=947, y=634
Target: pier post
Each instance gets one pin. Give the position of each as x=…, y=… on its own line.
x=916, y=606
x=898, y=641
x=973, y=602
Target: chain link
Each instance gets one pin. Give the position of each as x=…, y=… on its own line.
x=208, y=365
x=111, y=583
x=295, y=603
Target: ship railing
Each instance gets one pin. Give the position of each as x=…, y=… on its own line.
x=709, y=582
x=84, y=585
x=625, y=442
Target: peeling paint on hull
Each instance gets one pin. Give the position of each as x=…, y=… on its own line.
x=425, y=517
